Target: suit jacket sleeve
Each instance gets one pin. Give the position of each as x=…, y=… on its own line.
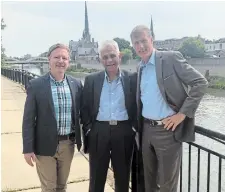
x=80, y=94
x=29, y=122
x=85, y=104
x=133, y=104
x=195, y=81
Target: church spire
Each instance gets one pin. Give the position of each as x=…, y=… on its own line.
x=152, y=30
x=86, y=29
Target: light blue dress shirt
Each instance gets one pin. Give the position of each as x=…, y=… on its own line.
x=154, y=106
x=112, y=101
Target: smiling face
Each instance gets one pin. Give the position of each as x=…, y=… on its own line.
x=110, y=58
x=143, y=44
x=59, y=61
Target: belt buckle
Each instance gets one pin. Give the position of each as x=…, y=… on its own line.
x=159, y=123
x=112, y=122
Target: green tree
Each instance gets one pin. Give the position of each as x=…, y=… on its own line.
x=135, y=56
x=122, y=43
x=3, y=56
x=126, y=55
x=192, y=47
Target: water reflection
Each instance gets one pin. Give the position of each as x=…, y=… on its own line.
x=31, y=68
x=210, y=113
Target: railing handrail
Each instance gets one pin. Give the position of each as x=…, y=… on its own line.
x=211, y=134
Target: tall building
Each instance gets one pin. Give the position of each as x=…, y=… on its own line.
x=86, y=48
x=152, y=30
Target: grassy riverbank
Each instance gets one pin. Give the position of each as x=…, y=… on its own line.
x=216, y=82
x=80, y=72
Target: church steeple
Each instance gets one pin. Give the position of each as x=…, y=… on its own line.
x=86, y=34
x=152, y=30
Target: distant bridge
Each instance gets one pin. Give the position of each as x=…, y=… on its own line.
x=32, y=60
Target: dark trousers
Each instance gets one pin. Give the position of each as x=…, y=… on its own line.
x=113, y=142
x=161, y=158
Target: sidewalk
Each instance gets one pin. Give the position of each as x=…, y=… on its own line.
x=16, y=174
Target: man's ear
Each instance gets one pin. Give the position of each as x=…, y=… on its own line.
x=120, y=55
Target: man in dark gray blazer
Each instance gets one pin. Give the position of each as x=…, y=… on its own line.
x=51, y=121
x=108, y=115
x=168, y=94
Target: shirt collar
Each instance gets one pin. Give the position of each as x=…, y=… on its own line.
x=151, y=59
x=55, y=81
x=118, y=76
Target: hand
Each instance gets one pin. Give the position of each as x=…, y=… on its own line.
x=30, y=158
x=173, y=121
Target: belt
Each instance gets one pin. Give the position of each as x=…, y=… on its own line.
x=66, y=137
x=152, y=122
x=113, y=122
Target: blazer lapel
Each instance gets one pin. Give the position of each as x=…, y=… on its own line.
x=138, y=92
x=48, y=92
x=159, y=73
x=98, y=84
x=126, y=87
x=72, y=89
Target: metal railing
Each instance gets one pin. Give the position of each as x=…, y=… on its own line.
x=206, y=165
x=18, y=75
x=189, y=155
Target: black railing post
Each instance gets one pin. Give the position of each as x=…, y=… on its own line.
x=189, y=169
x=198, y=171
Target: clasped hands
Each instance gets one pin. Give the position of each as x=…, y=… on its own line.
x=173, y=121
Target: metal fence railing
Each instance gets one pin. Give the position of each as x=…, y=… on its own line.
x=18, y=75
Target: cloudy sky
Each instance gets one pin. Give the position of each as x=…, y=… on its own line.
x=34, y=26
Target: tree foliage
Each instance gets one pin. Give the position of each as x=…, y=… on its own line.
x=126, y=55
x=122, y=43
x=192, y=47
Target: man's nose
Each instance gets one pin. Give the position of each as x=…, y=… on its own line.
x=60, y=59
x=141, y=45
x=109, y=59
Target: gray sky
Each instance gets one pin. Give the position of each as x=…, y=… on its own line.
x=34, y=26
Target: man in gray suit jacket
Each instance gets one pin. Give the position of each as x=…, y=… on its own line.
x=168, y=94
x=51, y=121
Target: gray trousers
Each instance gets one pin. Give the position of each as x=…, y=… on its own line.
x=161, y=159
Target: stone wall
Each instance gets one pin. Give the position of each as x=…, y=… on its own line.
x=207, y=61
x=216, y=66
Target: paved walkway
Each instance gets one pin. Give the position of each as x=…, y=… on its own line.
x=16, y=174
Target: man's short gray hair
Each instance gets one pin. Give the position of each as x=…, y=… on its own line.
x=139, y=29
x=107, y=43
x=56, y=46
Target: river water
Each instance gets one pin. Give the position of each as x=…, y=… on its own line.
x=210, y=115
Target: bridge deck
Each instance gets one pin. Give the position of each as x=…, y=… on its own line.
x=16, y=174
